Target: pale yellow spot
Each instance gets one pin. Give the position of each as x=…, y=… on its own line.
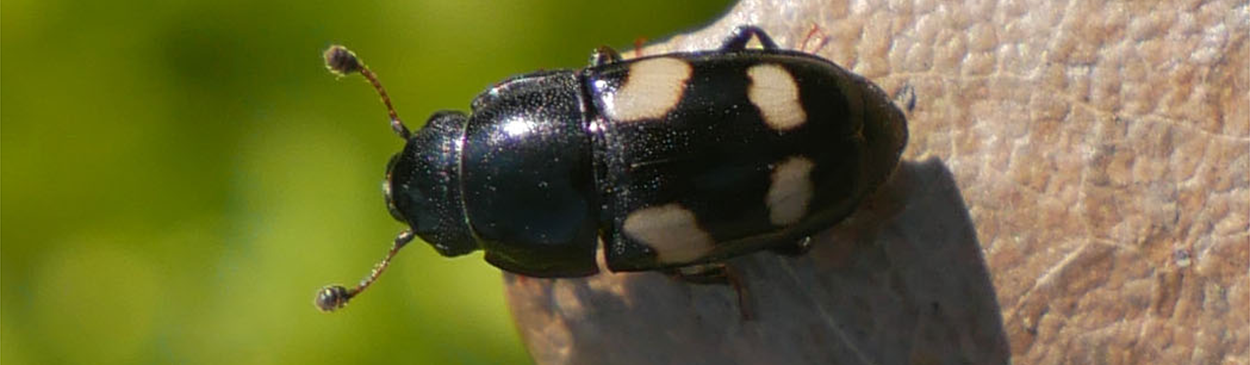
x=670, y=230
x=775, y=93
x=791, y=191
x=652, y=88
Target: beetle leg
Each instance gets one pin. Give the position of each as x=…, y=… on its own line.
x=738, y=39
x=796, y=248
x=906, y=97
x=820, y=44
x=716, y=273
x=604, y=55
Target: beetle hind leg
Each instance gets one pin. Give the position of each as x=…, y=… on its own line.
x=741, y=35
x=717, y=273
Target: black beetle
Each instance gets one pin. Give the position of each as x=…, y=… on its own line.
x=672, y=161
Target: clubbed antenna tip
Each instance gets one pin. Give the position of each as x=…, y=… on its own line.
x=342, y=61
x=332, y=297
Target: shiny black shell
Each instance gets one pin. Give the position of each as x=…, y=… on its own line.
x=670, y=160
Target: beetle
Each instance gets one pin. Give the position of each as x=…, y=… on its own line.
x=665, y=162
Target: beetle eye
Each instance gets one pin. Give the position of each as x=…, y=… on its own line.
x=388, y=192
x=390, y=203
x=395, y=212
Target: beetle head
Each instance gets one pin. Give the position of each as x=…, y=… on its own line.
x=422, y=184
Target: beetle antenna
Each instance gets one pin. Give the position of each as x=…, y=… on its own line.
x=342, y=61
x=332, y=297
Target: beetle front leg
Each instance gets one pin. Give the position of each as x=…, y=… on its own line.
x=604, y=55
x=738, y=39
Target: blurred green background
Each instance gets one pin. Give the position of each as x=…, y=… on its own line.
x=177, y=178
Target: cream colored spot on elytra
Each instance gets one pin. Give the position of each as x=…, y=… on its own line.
x=791, y=191
x=775, y=93
x=670, y=230
x=652, y=88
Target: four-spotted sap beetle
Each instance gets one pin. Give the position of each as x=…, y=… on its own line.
x=668, y=161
